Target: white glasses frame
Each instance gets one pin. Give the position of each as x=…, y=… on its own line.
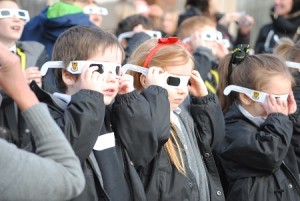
x=257, y=96
x=89, y=10
x=182, y=83
x=210, y=36
x=152, y=34
x=76, y=67
x=292, y=64
x=15, y=12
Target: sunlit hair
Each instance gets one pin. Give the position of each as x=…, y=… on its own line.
x=167, y=55
x=81, y=43
x=254, y=72
x=10, y=0
x=193, y=24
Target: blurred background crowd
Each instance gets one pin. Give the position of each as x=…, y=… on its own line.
x=119, y=9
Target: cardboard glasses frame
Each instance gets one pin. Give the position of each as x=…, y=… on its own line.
x=152, y=34
x=210, y=36
x=76, y=67
x=172, y=80
x=90, y=10
x=257, y=96
x=9, y=13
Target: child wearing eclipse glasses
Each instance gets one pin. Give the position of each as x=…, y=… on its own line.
x=257, y=155
x=207, y=45
x=185, y=158
x=103, y=117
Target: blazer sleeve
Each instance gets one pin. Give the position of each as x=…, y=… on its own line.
x=262, y=148
x=208, y=116
x=142, y=121
x=82, y=121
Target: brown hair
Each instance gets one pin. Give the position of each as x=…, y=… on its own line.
x=288, y=50
x=165, y=56
x=192, y=24
x=80, y=43
x=252, y=73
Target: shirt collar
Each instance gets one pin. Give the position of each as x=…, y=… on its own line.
x=13, y=49
x=177, y=110
x=257, y=120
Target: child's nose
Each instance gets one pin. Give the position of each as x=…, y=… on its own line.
x=110, y=77
x=15, y=17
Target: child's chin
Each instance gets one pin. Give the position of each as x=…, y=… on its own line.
x=108, y=100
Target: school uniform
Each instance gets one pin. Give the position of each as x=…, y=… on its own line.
x=258, y=158
x=110, y=173
x=200, y=127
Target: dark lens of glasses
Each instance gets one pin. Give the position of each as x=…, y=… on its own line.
x=5, y=13
x=21, y=13
x=100, y=67
x=173, y=81
x=118, y=70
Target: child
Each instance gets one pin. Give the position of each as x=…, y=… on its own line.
x=137, y=25
x=183, y=167
x=256, y=153
x=103, y=139
x=55, y=19
x=207, y=46
x=32, y=56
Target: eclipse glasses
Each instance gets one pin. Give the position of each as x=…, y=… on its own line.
x=76, y=67
x=152, y=34
x=19, y=13
x=171, y=80
x=90, y=10
x=210, y=36
x=257, y=96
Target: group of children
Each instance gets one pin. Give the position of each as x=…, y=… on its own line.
x=156, y=131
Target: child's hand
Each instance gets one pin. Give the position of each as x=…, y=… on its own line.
x=221, y=50
x=125, y=84
x=156, y=76
x=91, y=79
x=33, y=73
x=197, y=87
x=292, y=105
x=275, y=105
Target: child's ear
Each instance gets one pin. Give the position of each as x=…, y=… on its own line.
x=143, y=81
x=245, y=99
x=68, y=78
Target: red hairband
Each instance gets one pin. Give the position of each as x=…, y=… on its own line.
x=161, y=42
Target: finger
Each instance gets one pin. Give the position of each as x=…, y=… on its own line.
x=272, y=99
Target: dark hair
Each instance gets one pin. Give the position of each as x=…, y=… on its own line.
x=132, y=21
x=203, y=5
x=252, y=73
x=296, y=6
x=80, y=43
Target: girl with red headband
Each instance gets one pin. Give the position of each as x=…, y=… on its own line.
x=183, y=166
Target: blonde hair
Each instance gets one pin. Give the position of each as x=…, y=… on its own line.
x=165, y=56
x=192, y=24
